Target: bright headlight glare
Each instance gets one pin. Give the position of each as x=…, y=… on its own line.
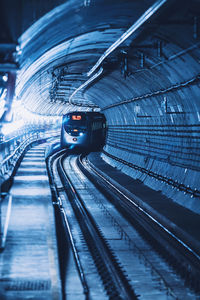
x=5, y=78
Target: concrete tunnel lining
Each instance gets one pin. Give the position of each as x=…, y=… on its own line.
x=158, y=129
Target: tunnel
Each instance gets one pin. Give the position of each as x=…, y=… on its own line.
x=137, y=62
x=147, y=86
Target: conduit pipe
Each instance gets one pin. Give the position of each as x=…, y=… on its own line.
x=85, y=84
x=148, y=13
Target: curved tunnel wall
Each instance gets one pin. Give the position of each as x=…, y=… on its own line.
x=149, y=91
x=154, y=119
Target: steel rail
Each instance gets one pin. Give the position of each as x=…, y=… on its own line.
x=76, y=256
x=179, y=245
x=147, y=214
x=75, y=252
x=118, y=285
x=58, y=202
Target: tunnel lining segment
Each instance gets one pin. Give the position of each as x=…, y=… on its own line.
x=175, y=87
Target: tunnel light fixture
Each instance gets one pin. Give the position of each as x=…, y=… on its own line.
x=85, y=84
x=18, y=50
x=5, y=77
x=3, y=94
x=148, y=13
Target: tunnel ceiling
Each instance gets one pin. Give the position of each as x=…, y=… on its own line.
x=60, y=48
x=148, y=86
x=64, y=45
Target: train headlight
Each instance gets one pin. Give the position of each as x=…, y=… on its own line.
x=81, y=133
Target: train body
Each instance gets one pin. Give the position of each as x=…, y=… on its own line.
x=83, y=130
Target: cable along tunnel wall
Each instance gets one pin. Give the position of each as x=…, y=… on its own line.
x=149, y=89
x=157, y=129
x=166, y=150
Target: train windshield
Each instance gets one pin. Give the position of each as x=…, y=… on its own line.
x=75, y=124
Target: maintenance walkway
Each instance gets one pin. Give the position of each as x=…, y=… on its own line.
x=29, y=263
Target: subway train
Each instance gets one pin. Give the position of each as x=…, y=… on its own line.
x=83, y=130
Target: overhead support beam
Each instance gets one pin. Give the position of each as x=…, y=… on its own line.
x=146, y=16
x=85, y=84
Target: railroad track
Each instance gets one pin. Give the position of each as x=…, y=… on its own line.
x=125, y=247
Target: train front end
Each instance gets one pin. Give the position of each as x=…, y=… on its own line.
x=74, y=130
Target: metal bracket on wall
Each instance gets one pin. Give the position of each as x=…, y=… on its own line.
x=166, y=107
